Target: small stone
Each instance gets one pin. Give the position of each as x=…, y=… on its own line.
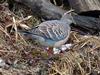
x=2, y=62
x=56, y=51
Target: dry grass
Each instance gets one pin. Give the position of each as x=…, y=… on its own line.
x=23, y=57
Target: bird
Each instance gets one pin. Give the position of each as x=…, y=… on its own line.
x=51, y=33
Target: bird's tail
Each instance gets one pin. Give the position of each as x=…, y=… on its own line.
x=29, y=35
x=25, y=32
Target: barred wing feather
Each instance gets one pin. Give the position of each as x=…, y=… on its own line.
x=52, y=30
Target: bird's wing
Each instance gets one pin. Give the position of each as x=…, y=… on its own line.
x=52, y=30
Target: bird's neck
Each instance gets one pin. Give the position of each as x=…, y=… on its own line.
x=66, y=20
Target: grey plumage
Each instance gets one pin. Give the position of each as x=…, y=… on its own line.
x=53, y=33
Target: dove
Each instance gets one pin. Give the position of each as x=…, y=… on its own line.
x=52, y=33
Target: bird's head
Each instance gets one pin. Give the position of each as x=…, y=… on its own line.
x=67, y=17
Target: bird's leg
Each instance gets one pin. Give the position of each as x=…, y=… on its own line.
x=50, y=50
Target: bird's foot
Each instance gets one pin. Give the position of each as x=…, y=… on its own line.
x=54, y=50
